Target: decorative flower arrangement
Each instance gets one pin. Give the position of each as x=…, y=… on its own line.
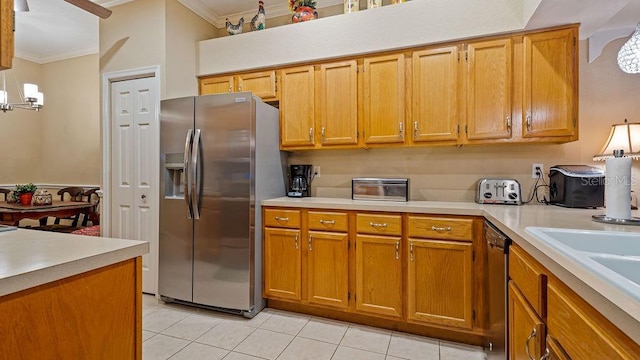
x=294, y=4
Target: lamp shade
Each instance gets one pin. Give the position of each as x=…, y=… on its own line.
x=624, y=137
x=30, y=91
x=629, y=54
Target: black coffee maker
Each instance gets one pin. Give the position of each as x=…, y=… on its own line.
x=299, y=181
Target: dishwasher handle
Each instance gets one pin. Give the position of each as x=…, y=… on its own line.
x=495, y=238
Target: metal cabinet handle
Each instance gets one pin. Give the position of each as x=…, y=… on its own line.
x=533, y=334
x=415, y=129
x=448, y=228
x=310, y=134
x=397, y=250
x=509, y=122
x=377, y=225
x=546, y=354
x=143, y=196
x=327, y=222
x=310, y=248
x=296, y=243
x=230, y=89
x=528, y=122
x=240, y=87
x=322, y=134
x=411, y=251
x=401, y=129
x=283, y=219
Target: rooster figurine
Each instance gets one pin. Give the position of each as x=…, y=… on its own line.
x=258, y=21
x=235, y=29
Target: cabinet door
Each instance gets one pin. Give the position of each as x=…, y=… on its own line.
x=384, y=99
x=216, y=85
x=435, y=94
x=297, y=106
x=327, y=277
x=379, y=275
x=440, y=282
x=338, y=103
x=282, y=270
x=526, y=329
x=550, y=84
x=489, y=86
x=554, y=350
x=6, y=34
x=261, y=84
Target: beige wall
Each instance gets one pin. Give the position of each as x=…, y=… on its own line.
x=184, y=30
x=607, y=96
x=61, y=143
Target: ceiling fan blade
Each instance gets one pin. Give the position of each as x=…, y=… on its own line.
x=91, y=7
x=20, y=5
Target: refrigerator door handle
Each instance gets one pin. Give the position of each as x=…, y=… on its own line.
x=187, y=178
x=195, y=183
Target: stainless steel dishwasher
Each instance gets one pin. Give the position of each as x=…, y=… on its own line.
x=498, y=277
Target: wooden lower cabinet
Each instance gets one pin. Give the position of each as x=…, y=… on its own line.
x=379, y=275
x=526, y=329
x=92, y=315
x=440, y=282
x=328, y=269
x=282, y=269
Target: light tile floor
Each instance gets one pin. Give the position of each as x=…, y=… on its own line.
x=177, y=332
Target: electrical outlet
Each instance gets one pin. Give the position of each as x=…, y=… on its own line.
x=316, y=171
x=535, y=168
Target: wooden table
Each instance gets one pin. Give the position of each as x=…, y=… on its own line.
x=11, y=214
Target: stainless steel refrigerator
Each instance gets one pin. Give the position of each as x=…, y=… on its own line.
x=219, y=158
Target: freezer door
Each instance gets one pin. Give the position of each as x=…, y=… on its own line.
x=222, y=236
x=175, y=275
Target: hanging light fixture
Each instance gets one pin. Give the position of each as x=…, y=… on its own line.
x=629, y=54
x=31, y=98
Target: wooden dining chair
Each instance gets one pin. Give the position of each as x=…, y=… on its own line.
x=5, y=192
x=93, y=198
x=75, y=193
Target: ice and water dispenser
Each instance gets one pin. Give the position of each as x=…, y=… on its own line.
x=174, y=180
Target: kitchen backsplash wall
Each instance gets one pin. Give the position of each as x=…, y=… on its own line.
x=607, y=97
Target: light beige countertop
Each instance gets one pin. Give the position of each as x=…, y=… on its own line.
x=622, y=309
x=29, y=258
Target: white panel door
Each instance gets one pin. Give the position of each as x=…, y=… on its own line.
x=134, y=147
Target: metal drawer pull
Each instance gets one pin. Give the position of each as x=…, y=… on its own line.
x=278, y=218
x=322, y=134
x=448, y=228
x=411, y=251
x=310, y=248
x=533, y=334
x=327, y=222
x=415, y=129
x=397, y=250
x=377, y=225
x=546, y=354
x=401, y=130
x=310, y=134
x=296, y=242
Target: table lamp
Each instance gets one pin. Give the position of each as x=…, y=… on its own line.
x=622, y=146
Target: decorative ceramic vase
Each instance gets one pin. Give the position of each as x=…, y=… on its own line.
x=351, y=6
x=372, y=4
x=25, y=198
x=304, y=13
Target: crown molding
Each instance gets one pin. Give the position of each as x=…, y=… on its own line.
x=57, y=57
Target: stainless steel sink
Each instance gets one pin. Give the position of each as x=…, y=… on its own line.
x=612, y=256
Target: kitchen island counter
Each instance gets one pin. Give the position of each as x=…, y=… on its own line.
x=622, y=309
x=70, y=296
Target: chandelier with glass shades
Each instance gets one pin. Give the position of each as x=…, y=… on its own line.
x=31, y=98
x=629, y=54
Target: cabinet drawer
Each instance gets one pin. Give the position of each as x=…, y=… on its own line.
x=529, y=277
x=282, y=218
x=329, y=221
x=440, y=228
x=581, y=331
x=379, y=224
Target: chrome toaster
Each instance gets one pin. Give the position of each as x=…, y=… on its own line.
x=498, y=191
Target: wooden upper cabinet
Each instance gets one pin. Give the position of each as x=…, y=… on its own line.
x=217, y=85
x=297, y=107
x=261, y=84
x=489, y=89
x=435, y=95
x=338, y=103
x=6, y=34
x=550, y=84
x=384, y=99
